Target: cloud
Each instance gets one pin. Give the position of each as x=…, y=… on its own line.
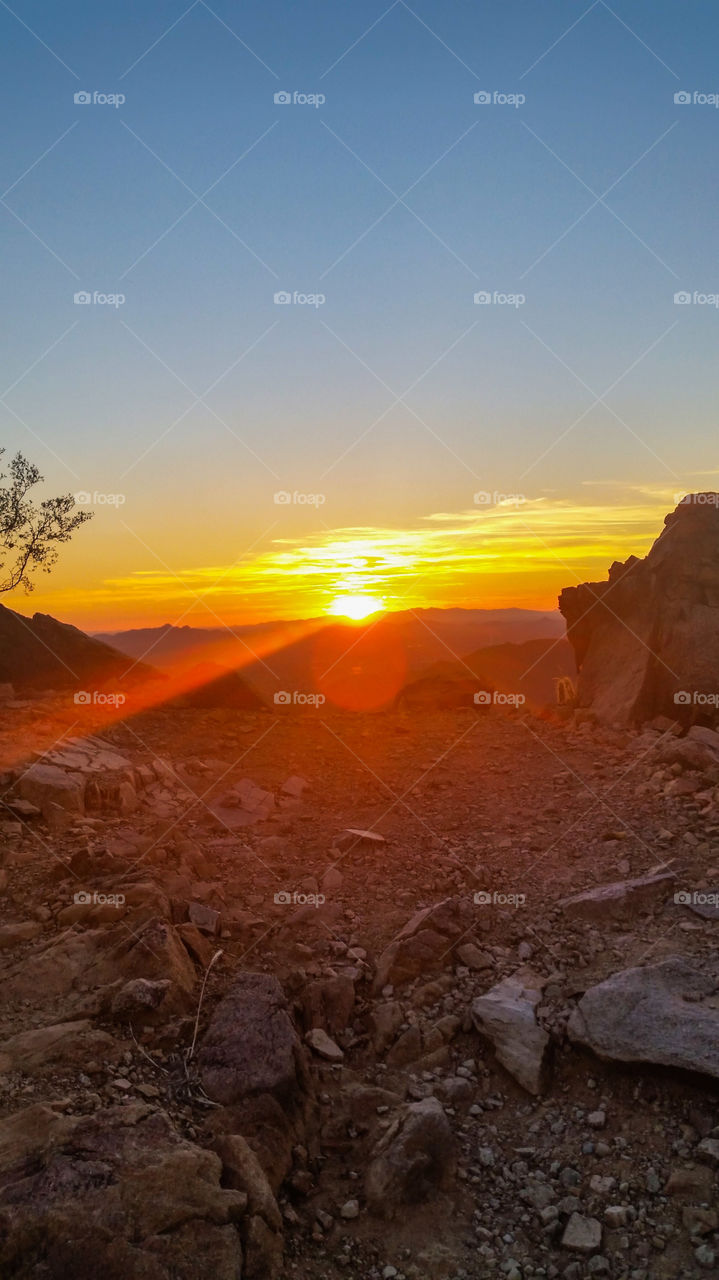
x=539, y=537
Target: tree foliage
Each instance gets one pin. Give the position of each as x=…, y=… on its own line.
x=30, y=532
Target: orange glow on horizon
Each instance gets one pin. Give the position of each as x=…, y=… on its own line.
x=356, y=607
x=483, y=557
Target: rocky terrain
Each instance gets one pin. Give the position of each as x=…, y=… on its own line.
x=387, y=997
x=646, y=641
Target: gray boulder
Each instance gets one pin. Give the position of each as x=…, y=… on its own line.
x=506, y=1016
x=660, y=1014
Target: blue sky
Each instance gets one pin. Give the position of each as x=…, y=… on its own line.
x=310, y=199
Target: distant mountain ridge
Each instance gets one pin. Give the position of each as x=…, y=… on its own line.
x=361, y=665
x=356, y=666
x=454, y=629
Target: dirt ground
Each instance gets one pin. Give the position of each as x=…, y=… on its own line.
x=523, y=809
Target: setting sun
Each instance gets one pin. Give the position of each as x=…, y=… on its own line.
x=355, y=607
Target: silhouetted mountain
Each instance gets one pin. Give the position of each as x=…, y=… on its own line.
x=42, y=653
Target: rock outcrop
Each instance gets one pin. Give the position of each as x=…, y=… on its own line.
x=119, y=1193
x=85, y=774
x=647, y=640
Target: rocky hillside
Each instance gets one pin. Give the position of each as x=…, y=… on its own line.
x=42, y=653
x=647, y=640
x=380, y=997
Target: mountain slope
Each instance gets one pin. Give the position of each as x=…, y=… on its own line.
x=42, y=653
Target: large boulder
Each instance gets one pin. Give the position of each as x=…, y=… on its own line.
x=506, y=1016
x=85, y=774
x=413, y=1160
x=651, y=632
x=663, y=1013
x=117, y=1194
x=251, y=1046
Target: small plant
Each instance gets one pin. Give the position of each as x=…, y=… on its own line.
x=564, y=691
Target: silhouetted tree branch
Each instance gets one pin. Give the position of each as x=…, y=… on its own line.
x=29, y=532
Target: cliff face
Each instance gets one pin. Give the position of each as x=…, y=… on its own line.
x=651, y=632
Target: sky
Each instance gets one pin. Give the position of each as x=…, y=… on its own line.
x=477, y=385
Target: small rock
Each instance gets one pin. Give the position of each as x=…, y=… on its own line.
x=615, y=1216
x=708, y=1151
x=204, y=918
x=582, y=1235
x=323, y=1045
x=471, y=956
x=332, y=880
